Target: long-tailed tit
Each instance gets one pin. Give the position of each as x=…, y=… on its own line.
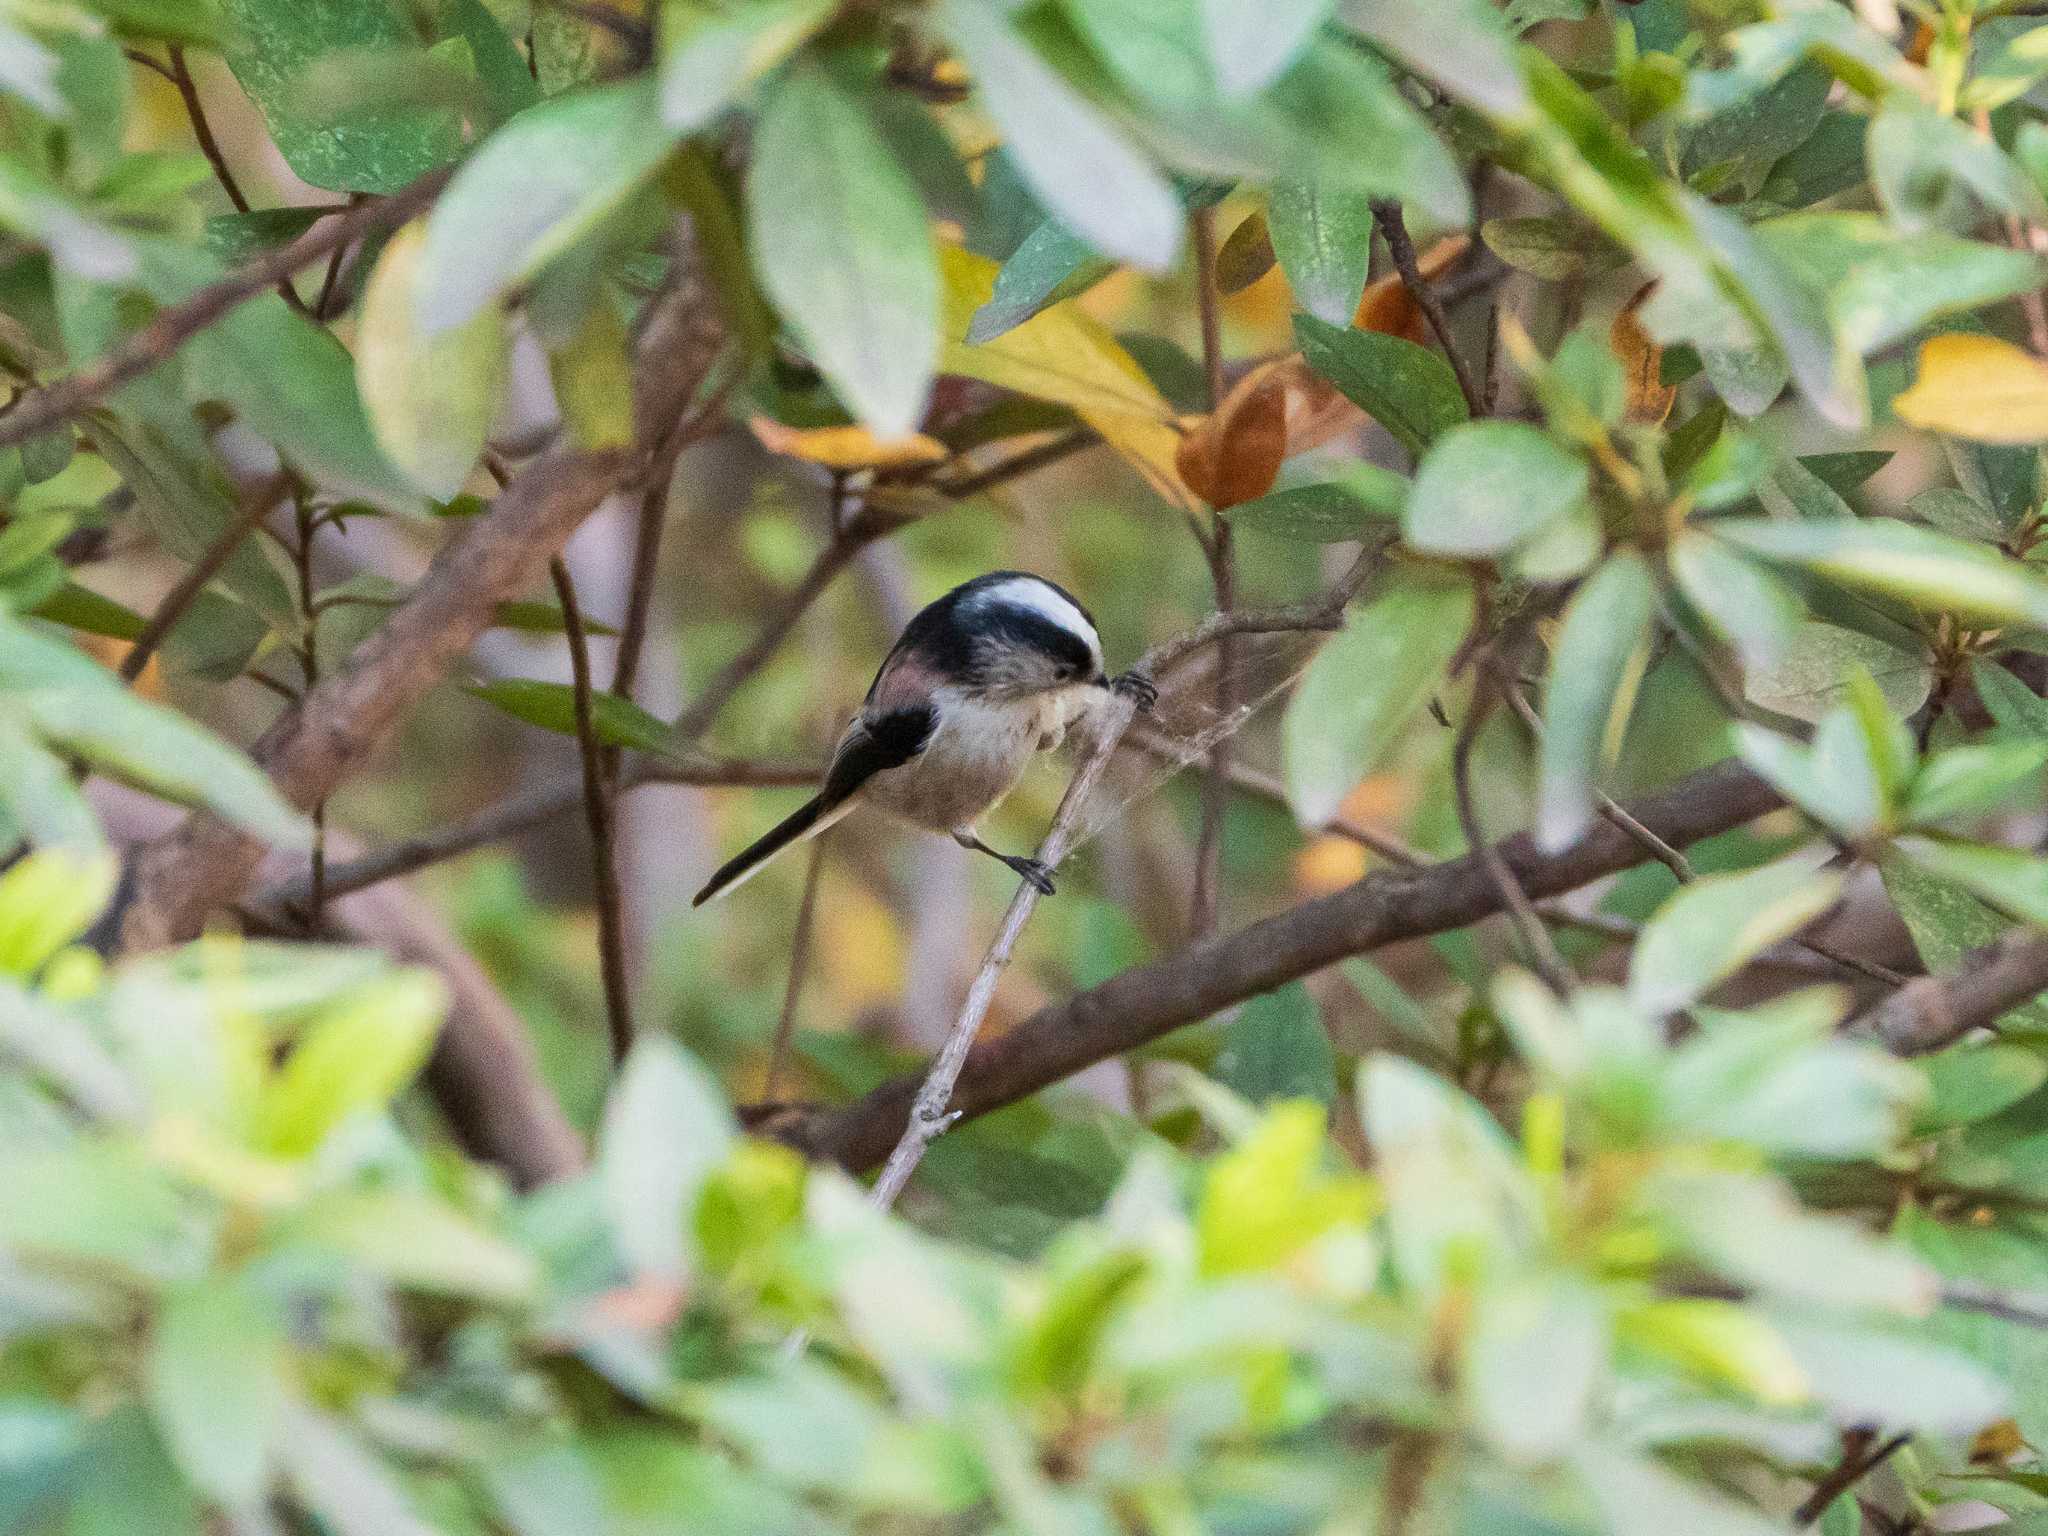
x=996, y=669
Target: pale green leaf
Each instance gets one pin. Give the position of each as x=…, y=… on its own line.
x=1487, y=486
x=1585, y=701
x=1712, y=927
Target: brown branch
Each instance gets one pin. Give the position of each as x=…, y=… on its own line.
x=256, y=503
x=1149, y=1001
x=847, y=541
x=1929, y=1012
x=597, y=810
x=1023, y=462
x=536, y=807
x=76, y=392
x=180, y=75
x=206, y=863
x=1853, y=1469
x=2030, y=1310
x=1394, y=229
x=309, y=678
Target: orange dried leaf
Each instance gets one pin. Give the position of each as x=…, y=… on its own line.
x=1385, y=305
x=1642, y=363
x=1234, y=455
x=847, y=447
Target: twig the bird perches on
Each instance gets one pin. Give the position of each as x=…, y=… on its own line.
x=78, y=391
x=1853, y=1470
x=597, y=811
x=1394, y=229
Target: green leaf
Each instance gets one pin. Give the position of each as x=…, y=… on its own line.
x=379, y=150
x=39, y=799
x=1076, y=163
x=83, y=609
x=666, y=1128
x=619, y=722
x=1972, y=778
x=217, y=1388
x=1322, y=236
x=1365, y=685
x=1711, y=928
x=1487, y=486
x=1461, y=44
x=1052, y=264
x=2007, y=879
x=1277, y=1048
x=1811, y=676
x=1585, y=703
x=710, y=57
x=431, y=399
x=79, y=706
x=1742, y=602
x=1968, y=1083
x=843, y=247
x=77, y=239
x=354, y=1057
x=1634, y=1492
x=542, y=619
x=1901, y=560
x=47, y=900
x=1550, y=248
x=1534, y=1363
x=339, y=1480
x=1270, y=1195
x=1251, y=42
x=1332, y=513
x=2013, y=705
x=532, y=190
x=1458, y=1198
x=1959, y=514
x=414, y=1240
x=1859, y=1372
x=1923, y=161
x=1407, y=389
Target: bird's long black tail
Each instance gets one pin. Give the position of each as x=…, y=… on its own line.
x=807, y=820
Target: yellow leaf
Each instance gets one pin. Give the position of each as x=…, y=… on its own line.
x=593, y=378
x=1062, y=355
x=1980, y=388
x=847, y=447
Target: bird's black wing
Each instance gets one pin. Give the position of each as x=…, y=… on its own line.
x=877, y=743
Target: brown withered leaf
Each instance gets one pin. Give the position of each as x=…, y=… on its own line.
x=847, y=447
x=1233, y=455
x=1246, y=256
x=1642, y=362
x=1386, y=305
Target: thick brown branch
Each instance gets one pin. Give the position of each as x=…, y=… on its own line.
x=1929, y=1012
x=1149, y=1001
x=77, y=392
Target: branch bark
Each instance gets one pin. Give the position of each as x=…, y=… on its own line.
x=1149, y=1001
x=1929, y=1012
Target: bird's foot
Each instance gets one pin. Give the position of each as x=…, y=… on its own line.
x=1136, y=687
x=1034, y=871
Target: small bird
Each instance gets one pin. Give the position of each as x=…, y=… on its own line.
x=996, y=669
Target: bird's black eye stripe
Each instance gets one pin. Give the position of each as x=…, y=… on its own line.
x=1032, y=630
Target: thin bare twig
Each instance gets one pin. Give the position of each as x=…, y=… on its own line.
x=799, y=965
x=1853, y=1470
x=309, y=679
x=330, y=284
x=76, y=392
x=1394, y=229
x=1216, y=551
x=255, y=504
x=2028, y=1309
x=611, y=926
x=848, y=540
x=1023, y=462
x=1535, y=941
x=523, y=812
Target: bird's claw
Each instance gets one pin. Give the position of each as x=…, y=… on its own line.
x=1138, y=688
x=1034, y=871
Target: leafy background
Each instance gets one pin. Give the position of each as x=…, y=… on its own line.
x=1650, y=391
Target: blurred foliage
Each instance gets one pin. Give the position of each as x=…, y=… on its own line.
x=1744, y=460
